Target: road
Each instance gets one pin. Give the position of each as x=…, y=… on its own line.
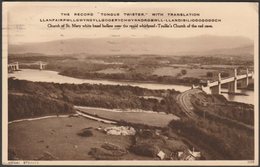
x=184, y=100
x=83, y=114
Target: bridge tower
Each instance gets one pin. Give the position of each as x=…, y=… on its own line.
x=245, y=81
x=232, y=86
x=17, y=65
x=247, y=77
x=41, y=65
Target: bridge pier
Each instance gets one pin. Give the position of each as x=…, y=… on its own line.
x=245, y=81
x=217, y=89
x=17, y=66
x=232, y=86
x=41, y=66
x=247, y=77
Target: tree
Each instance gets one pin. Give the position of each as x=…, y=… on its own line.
x=224, y=74
x=183, y=72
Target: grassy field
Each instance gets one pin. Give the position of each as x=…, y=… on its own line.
x=174, y=72
x=112, y=71
x=167, y=71
x=151, y=119
x=197, y=73
x=58, y=136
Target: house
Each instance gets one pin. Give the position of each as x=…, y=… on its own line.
x=161, y=155
x=189, y=155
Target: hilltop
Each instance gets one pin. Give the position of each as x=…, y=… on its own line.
x=207, y=45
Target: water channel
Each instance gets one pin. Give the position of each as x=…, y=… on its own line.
x=53, y=76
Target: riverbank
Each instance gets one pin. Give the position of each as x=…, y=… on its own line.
x=176, y=81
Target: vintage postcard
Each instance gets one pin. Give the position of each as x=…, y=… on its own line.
x=130, y=83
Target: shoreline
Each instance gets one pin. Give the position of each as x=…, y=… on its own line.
x=128, y=81
x=112, y=80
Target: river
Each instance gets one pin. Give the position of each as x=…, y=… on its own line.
x=53, y=76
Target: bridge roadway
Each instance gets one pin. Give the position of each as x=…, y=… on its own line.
x=15, y=66
x=229, y=79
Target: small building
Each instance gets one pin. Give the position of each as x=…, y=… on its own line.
x=161, y=155
x=189, y=155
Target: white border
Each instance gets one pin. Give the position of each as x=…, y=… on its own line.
x=132, y=162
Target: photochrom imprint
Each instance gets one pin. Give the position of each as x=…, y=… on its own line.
x=170, y=83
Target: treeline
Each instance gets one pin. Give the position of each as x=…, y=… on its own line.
x=32, y=57
x=129, y=76
x=212, y=60
x=105, y=96
x=29, y=106
x=219, y=140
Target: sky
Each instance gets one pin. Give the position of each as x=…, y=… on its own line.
x=22, y=20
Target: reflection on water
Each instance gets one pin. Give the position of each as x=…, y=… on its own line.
x=53, y=76
x=247, y=98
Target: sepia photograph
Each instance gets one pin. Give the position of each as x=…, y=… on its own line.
x=127, y=83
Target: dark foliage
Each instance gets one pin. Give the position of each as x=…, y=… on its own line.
x=219, y=140
x=85, y=133
x=105, y=96
x=28, y=106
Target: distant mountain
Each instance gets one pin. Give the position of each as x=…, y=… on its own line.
x=205, y=44
x=239, y=51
